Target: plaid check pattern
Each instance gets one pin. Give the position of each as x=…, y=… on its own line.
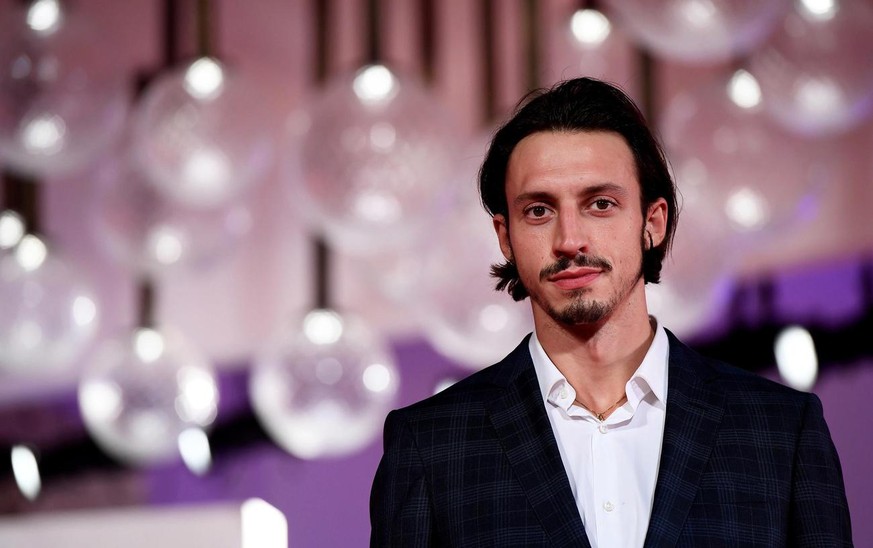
x=744, y=462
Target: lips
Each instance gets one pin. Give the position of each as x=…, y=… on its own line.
x=575, y=278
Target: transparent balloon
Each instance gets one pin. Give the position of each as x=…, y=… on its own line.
x=816, y=72
x=154, y=235
x=143, y=392
x=723, y=149
x=375, y=153
x=586, y=45
x=202, y=135
x=50, y=309
x=586, y=42
x=323, y=386
x=445, y=282
x=697, y=273
x=699, y=31
x=62, y=99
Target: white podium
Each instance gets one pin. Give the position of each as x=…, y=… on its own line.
x=251, y=524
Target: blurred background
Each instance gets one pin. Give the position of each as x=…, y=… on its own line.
x=234, y=235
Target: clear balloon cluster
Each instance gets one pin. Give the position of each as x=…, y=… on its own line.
x=375, y=164
x=804, y=53
x=745, y=146
x=174, y=197
x=171, y=173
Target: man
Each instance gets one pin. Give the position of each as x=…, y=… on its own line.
x=601, y=429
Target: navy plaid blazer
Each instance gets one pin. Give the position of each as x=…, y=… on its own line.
x=744, y=462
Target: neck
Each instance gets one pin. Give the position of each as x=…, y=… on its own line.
x=598, y=359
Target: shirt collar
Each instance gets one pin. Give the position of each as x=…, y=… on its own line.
x=652, y=372
x=548, y=376
x=651, y=375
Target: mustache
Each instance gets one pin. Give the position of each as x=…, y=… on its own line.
x=580, y=260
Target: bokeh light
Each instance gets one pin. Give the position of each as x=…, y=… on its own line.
x=11, y=229
x=195, y=450
x=796, y=358
x=25, y=470
x=590, y=27
x=263, y=525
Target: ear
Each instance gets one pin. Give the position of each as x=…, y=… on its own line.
x=656, y=221
x=502, y=230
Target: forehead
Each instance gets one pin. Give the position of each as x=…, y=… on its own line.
x=594, y=157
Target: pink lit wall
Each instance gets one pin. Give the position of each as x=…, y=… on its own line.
x=231, y=310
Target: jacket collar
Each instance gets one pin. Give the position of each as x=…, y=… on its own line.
x=695, y=407
x=519, y=418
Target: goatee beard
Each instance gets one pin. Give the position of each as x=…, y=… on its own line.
x=582, y=311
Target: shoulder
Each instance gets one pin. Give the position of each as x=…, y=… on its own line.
x=740, y=387
x=472, y=393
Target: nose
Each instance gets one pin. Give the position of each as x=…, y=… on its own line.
x=570, y=235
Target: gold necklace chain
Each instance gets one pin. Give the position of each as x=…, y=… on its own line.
x=599, y=416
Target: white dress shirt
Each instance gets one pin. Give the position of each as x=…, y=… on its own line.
x=612, y=466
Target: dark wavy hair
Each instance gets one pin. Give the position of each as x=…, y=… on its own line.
x=582, y=104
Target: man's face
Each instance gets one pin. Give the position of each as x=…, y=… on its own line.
x=574, y=229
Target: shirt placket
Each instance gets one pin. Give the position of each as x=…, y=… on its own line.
x=608, y=496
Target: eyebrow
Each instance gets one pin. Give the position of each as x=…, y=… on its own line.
x=603, y=188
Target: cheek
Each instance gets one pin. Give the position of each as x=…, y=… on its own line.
x=530, y=254
x=526, y=241
x=622, y=245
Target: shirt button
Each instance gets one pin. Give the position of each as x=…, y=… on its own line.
x=563, y=393
x=608, y=506
x=603, y=428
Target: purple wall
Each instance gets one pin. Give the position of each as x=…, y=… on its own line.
x=845, y=395
x=326, y=501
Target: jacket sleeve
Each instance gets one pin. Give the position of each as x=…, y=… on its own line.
x=401, y=510
x=819, y=512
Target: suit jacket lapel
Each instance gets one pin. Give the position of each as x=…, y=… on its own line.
x=519, y=417
x=694, y=411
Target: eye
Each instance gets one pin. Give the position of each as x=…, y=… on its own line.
x=602, y=204
x=537, y=211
